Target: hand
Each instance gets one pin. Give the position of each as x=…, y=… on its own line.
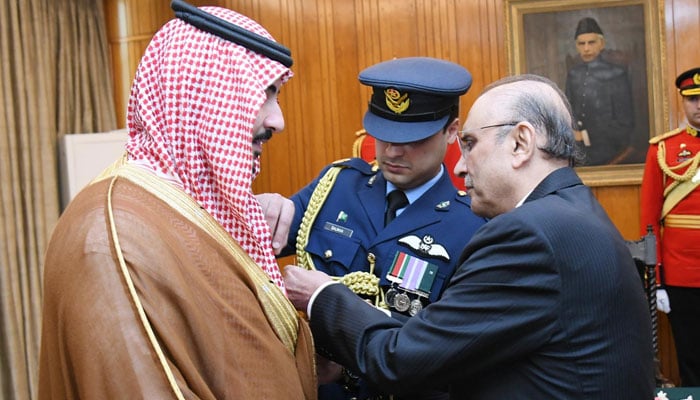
x=328, y=371
x=301, y=284
x=663, y=304
x=279, y=212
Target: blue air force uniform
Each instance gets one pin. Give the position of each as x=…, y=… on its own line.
x=350, y=225
x=339, y=225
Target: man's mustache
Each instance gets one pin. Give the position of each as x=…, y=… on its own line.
x=265, y=135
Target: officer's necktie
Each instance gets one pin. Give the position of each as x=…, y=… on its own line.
x=395, y=200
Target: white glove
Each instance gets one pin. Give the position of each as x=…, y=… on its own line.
x=663, y=304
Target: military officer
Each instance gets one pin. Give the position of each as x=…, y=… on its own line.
x=340, y=226
x=671, y=205
x=601, y=99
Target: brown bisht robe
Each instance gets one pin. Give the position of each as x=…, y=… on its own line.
x=224, y=331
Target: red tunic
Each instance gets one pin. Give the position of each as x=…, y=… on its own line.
x=678, y=249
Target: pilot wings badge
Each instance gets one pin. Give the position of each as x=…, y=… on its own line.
x=425, y=245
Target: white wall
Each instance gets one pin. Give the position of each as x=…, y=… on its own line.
x=82, y=156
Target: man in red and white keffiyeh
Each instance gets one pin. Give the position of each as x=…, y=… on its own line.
x=198, y=115
x=160, y=280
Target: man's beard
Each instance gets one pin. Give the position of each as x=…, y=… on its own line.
x=260, y=137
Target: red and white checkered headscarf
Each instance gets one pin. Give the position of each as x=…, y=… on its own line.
x=193, y=103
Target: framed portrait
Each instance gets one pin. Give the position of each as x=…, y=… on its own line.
x=607, y=56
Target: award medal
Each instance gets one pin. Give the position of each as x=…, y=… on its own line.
x=402, y=302
x=390, y=296
x=411, y=275
x=415, y=307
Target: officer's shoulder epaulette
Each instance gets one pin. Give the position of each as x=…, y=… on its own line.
x=357, y=163
x=664, y=136
x=462, y=197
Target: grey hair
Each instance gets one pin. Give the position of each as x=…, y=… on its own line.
x=545, y=114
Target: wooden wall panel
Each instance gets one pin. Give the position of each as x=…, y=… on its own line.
x=130, y=27
x=622, y=205
x=324, y=102
x=332, y=41
x=682, y=48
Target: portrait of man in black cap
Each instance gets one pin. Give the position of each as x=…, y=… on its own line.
x=601, y=99
x=598, y=54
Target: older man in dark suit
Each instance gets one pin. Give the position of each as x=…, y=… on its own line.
x=547, y=302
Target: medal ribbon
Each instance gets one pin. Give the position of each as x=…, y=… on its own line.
x=412, y=273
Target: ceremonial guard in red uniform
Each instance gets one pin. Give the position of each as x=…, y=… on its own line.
x=671, y=205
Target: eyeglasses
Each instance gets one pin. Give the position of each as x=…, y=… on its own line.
x=512, y=123
x=467, y=143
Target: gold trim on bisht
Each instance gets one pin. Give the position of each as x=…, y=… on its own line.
x=278, y=309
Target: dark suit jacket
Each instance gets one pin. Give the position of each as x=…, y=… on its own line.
x=546, y=304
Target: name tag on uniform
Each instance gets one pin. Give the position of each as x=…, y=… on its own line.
x=340, y=230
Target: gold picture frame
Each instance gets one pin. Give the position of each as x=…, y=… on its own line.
x=540, y=39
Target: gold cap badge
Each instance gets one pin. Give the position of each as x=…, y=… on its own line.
x=396, y=101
